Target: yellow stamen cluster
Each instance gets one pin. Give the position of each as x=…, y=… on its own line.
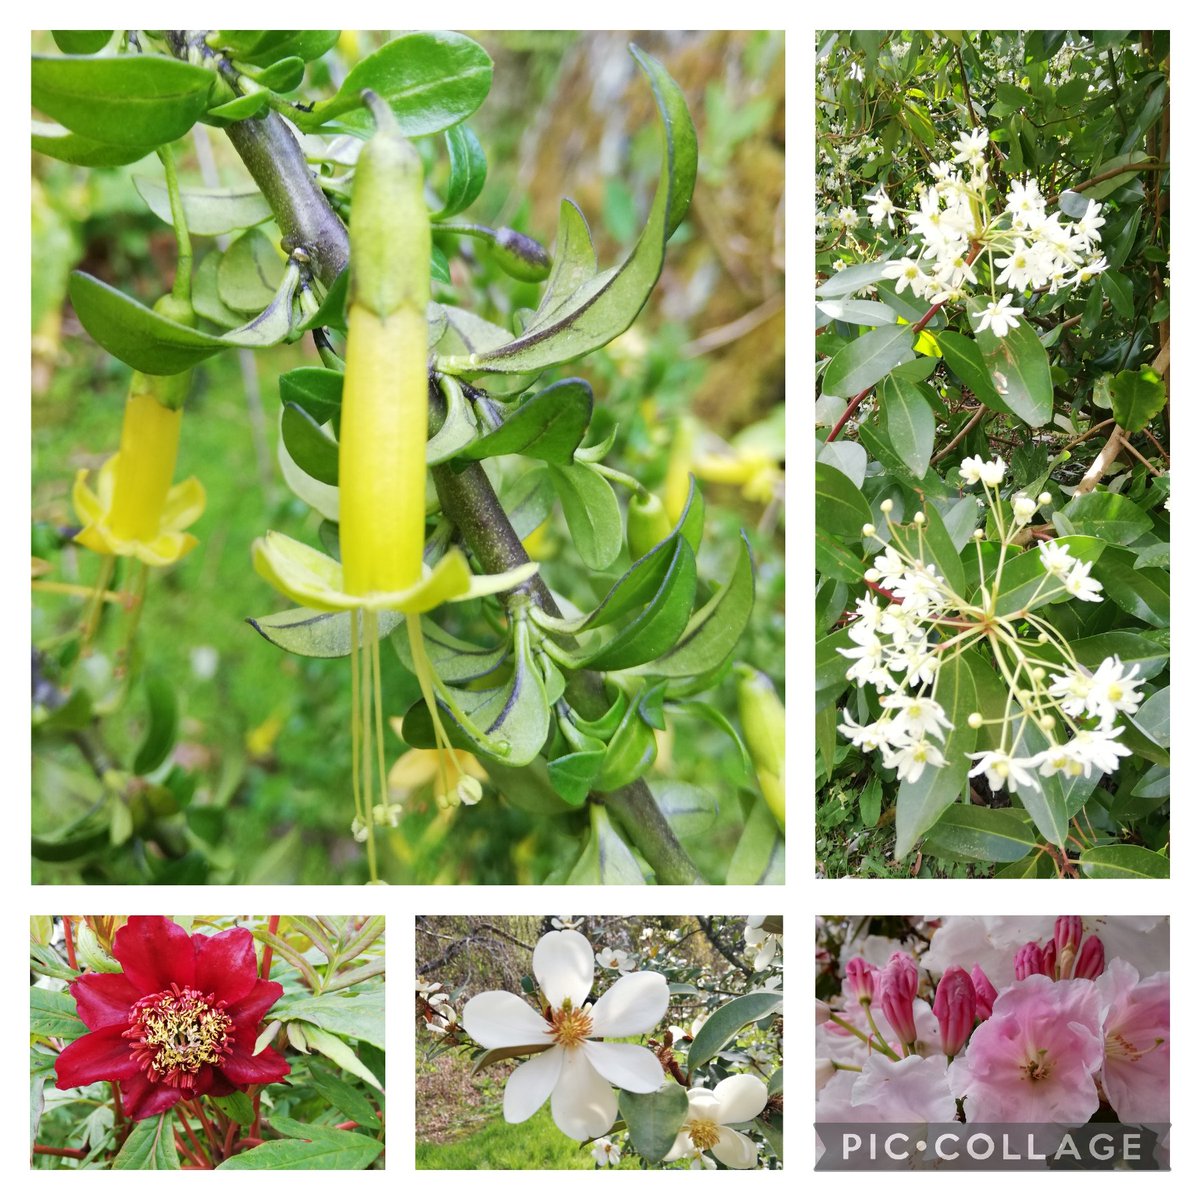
x=570, y=1026
x=176, y=1033
x=704, y=1134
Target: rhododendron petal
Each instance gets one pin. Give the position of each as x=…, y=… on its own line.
x=103, y=1000
x=241, y=1068
x=735, y=1150
x=913, y=1089
x=564, y=968
x=142, y=1099
x=497, y=1019
x=633, y=1068
x=530, y=1085
x=226, y=965
x=155, y=953
x=583, y=1103
x=634, y=1004
x=1137, y=1050
x=740, y=1098
x=96, y=1056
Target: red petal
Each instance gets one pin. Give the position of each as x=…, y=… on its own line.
x=143, y=1099
x=155, y=953
x=242, y=1068
x=248, y=1012
x=95, y=1056
x=226, y=964
x=220, y=1086
x=104, y=1000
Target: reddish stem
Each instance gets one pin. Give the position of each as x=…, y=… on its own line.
x=199, y=1155
x=70, y=944
x=264, y=971
x=209, y=1131
x=347, y=1125
x=248, y=1143
x=254, y=1129
x=60, y=1151
x=230, y=1137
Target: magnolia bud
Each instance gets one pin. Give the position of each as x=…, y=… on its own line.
x=897, y=991
x=985, y=993
x=954, y=1008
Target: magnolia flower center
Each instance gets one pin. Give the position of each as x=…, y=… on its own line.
x=177, y=1033
x=705, y=1134
x=570, y=1026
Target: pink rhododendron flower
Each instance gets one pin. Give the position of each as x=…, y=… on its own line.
x=1136, y=1075
x=985, y=993
x=954, y=1007
x=897, y=991
x=861, y=979
x=1090, y=962
x=1035, y=1058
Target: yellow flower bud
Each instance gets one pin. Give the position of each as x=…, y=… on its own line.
x=762, y=719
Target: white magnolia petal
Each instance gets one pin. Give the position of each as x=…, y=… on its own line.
x=702, y=1105
x=584, y=1105
x=634, y=1004
x=739, y=1098
x=735, y=1150
x=679, y=1147
x=564, y=967
x=496, y=1019
x=530, y=1085
x=633, y=1068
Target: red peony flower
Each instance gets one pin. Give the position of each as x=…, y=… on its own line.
x=180, y=1021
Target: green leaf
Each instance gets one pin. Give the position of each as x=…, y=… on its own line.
x=1145, y=593
x=726, y=1022
x=241, y=109
x=1023, y=575
x=1022, y=362
x=315, y=389
x=909, y=422
x=690, y=810
x=1035, y=866
x=841, y=507
x=934, y=544
x=1119, y=290
x=1154, y=717
x=866, y=360
x=965, y=832
x=870, y=799
x=573, y=775
x=209, y=211
x=857, y=312
x=1124, y=862
x=631, y=750
x=962, y=355
x=159, y=738
x=603, y=305
x=250, y=272
x=758, y=857
x=131, y=100
x=81, y=41
x=549, y=426
x=262, y=47
x=654, y=1119
x=307, y=1148
x=57, y=142
x=430, y=80
x=606, y=858
x=468, y=171
x=1131, y=648
x=52, y=1014
x=237, y=1107
x=337, y=1051
x=852, y=279
x=344, y=1098
x=315, y=634
x=592, y=513
x=713, y=632
x=150, y=1146
x=1107, y=515
x=831, y=667
x=1137, y=398
x=312, y=448
x=359, y=1017
x=1055, y=800
x=920, y=804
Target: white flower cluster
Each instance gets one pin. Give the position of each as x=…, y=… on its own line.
x=1026, y=247
x=900, y=646
x=437, y=1012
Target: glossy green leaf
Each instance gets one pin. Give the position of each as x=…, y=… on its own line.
x=1119, y=291
x=316, y=390
x=690, y=810
x=574, y=261
x=574, y=775
x=968, y=833
x=262, y=47
x=1145, y=593
x=909, y=422
x=52, y=1014
x=606, y=859
x=453, y=659
x=605, y=304
x=162, y=725
x=1034, y=866
x=857, y=312
x=431, y=80
x=1018, y=366
x=851, y=280
x=758, y=858
x=237, y=1107
x=549, y=426
x=150, y=1146
x=209, y=211
x=1137, y=398
x=920, y=804
x=130, y=100
x=345, y=1098
x=962, y=355
x=1154, y=717
x=57, y=142
x=312, y=448
x=841, y=508
x=81, y=41
x=1131, y=648
x=1124, y=862
x=726, y=1022
x=654, y=1119
x=1107, y=515
x=315, y=634
x=631, y=751
x=307, y=1148
x=205, y=298
x=831, y=667
x=282, y=76
x=592, y=513
x=250, y=272
x=468, y=171
x=359, y=1017
x=863, y=362
x=240, y=109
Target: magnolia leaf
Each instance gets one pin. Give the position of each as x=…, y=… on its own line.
x=654, y=1119
x=726, y=1022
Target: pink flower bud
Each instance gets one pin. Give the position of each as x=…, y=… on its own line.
x=897, y=991
x=1068, y=931
x=1050, y=959
x=822, y=1012
x=1090, y=963
x=985, y=993
x=1028, y=961
x=860, y=975
x=954, y=1007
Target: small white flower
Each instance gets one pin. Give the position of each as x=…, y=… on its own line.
x=918, y=716
x=734, y=1101
x=1057, y=559
x=875, y=736
x=1098, y=749
x=1023, y=508
x=999, y=316
x=1112, y=691
x=606, y=1153
x=1071, y=691
x=616, y=960
x=847, y=216
x=977, y=470
x=910, y=759
x=1004, y=771
x=1080, y=584
x=881, y=208
x=566, y=922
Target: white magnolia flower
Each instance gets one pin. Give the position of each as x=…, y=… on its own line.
x=1112, y=691
x=575, y=1072
x=765, y=945
x=976, y=470
x=566, y=922
x=616, y=960
x=734, y=1100
x=1005, y=771
x=999, y=316
x=606, y=1153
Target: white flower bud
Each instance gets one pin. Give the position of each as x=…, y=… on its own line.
x=919, y=518
x=1044, y=498
x=868, y=530
x=975, y=720
x=871, y=575
x=1039, y=673
x=978, y=535
x=886, y=506
x=1043, y=638
x=1047, y=722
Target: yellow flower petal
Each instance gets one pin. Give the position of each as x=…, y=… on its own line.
x=302, y=573
x=167, y=548
x=185, y=504
x=87, y=504
x=413, y=769
x=97, y=538
x=106, y=481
